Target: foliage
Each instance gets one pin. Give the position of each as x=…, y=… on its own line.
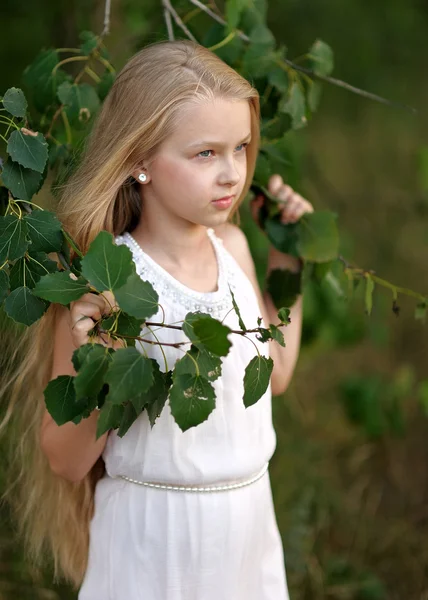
x=62, y=108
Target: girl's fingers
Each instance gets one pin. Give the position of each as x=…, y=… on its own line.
x=275, y=183
x=255, y=205
x=110, y=302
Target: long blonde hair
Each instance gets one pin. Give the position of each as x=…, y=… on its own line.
x=53, y=515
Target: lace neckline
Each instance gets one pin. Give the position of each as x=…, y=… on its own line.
x=164, y=275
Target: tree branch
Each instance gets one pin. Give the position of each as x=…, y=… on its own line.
x=169, y=8
x=168, y=21
x=326, y=79
x=107, y=10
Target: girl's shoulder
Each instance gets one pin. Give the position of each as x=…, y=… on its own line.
x=235, y=242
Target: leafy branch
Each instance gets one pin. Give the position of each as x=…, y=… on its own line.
x=125, y=382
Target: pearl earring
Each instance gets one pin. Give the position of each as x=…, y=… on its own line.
x=142, y=177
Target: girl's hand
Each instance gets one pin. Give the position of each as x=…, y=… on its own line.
x=85, y=312
x=294, y=204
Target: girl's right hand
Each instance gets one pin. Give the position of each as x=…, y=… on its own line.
x=85, y=312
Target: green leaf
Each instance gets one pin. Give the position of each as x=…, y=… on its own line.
x=28, y=150
x=61, y=401
x=138, y=298
x=126, y=325
x=234, y=9
x=81, y=101
x=188, y=322
x=318, y=237
x=277, y=335
x=293, y=103
x=263, y=169
x=109, y=418
x=322, y=58
x=90, y=41
x=209, y=365
x=23, y=183
x=13, y=240
x=155, y=397
x=41, y=68
x=236, y=308
x=284, y=236
x=192, y=400
x=92, y=369
x=279, y=79
x=314, y=95
x=41, y=82
x=256, y=379
x=23, y=307
x=107, y=266
x=44, y=230
x=213, y=335
x=128, y=417
x=129, y=371
x=283, y=287
x=27, y=270
x=368, y=297
x=104, y=86
x=284, y=315
x=60, y=287
x=4, y=284
x=14, y=102
x=421, y=311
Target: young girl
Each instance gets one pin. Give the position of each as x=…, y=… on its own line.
x=163, y=514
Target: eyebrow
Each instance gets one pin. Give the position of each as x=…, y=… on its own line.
x=213, y=143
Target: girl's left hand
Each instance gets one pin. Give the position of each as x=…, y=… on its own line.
x=294, y=204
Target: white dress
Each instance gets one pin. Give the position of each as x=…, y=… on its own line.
x=158, y=544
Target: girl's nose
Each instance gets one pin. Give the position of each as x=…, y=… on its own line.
x=230, y=174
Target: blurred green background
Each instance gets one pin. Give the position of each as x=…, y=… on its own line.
x=350, y=473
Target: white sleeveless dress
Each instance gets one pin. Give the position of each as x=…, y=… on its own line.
x=149, y=543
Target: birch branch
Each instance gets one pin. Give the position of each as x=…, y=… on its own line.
x=168, y=7
x=107, y=11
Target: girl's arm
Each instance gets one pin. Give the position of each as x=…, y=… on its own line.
x=71, y=449
x=284, y=359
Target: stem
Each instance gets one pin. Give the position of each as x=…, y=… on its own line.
x=67, y=127
x=163, y=353
x=226, y=40
x=68, y=60
x=92, y=74
x=72, y=243
x=168, y=6
x=325, y=78
x=196, y=364
x=74, y=50
x=28, y=202
x=37, y=262
x=362, y=273
x=105, y=62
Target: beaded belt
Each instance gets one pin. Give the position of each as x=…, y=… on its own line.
x=193, y=488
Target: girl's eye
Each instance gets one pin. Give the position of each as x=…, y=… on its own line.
x=239, y=148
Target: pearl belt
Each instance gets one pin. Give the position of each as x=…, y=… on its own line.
x=192, y=488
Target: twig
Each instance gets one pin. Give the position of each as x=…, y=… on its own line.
x=168, y=22
x=168, y=6
x=208, y=11
x=350, y=88
x=325, y=78
x=106, y=29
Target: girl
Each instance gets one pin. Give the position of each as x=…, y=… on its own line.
x=162, y=514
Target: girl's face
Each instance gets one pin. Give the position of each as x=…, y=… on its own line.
x=203, y=160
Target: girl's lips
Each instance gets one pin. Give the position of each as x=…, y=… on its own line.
x=223, y=202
